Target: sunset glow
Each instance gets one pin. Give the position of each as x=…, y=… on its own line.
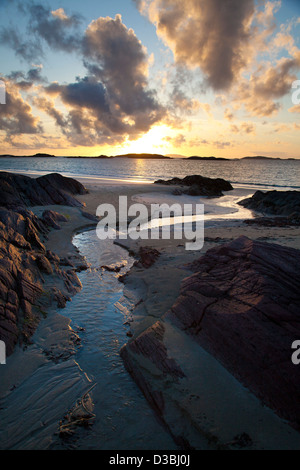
x=118, y=76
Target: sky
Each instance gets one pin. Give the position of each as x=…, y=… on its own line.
x=174, y=77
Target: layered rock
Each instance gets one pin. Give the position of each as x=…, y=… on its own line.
x=283, y=203
x=242, y=305
x=31, y=277
x=197, y=185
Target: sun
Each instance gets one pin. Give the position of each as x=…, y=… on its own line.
x=152, y=142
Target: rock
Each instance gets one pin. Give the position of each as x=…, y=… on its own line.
x=197, y=185
x=44, y=265
x=113, y=268
x=52, y=257
x=28, y=290
x=52, y=219
x=23, y=257
x=59, y=182
x=291, y=221
x=149, y=345
x=286, y=203
x=60, y=298
x=89, y=216
x=18, y=191
x=147, y=256
x=243, y=306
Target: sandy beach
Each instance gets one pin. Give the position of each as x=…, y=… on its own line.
x=209, y=406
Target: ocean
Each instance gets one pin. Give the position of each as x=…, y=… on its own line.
x=254, y=174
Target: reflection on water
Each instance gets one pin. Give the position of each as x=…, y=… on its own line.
x=123, y=417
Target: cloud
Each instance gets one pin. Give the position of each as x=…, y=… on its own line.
x=276, y=81
x=16, y=115
x=245, y=128
x=55, y=27
x=48, y=107
x=28, y=79
x=206, y=34
x=58, y=30
x=228, y=114
x=176, y=141
x=115, y=55
x=27, y=50
x=226, y=40
x=216, y=143
x=295, y=109
x=113, y=101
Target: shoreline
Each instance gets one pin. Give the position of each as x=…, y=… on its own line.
x=168, y=271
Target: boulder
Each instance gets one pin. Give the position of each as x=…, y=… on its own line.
x=197, y=185
x=18, y=191
x=284, y=203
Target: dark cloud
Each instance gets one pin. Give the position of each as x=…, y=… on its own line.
x=85, y=93
x=207, y=34
x=16, y=115
x=27, y=80
x=114, y=54
x=28, y=50
x=55, y=27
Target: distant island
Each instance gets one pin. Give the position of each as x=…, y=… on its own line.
x=205, y=158
x=150, y=156
x=258, y=157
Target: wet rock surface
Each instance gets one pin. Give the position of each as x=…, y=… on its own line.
x=285, y=203
x=197, y=185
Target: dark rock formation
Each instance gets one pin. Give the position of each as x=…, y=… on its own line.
x=243, y=306
x=23, y=287
x=197, y=185
x=18, y=191
x=293, y=221
x=283, y=203
x=150, y=345
x=26, y=269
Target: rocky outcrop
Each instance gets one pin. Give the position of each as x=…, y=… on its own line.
x=28, y=276
x=18, y=191
x=197, y=185
x=284, y=203
x=291, y=221
x=31, y=278
x=242, y=305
